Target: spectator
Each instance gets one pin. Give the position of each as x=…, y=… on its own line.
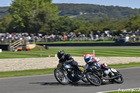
x=133, y=37
x=127, y=38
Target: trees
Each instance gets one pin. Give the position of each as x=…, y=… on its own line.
x=5, y=23
x=133, y=23
x=32, y=15
x=35, y=16
x=91, y=11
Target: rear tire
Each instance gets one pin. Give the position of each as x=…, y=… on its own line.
x=93, y=79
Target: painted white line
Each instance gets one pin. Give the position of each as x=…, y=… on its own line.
x=118, y=90
x=106, y=91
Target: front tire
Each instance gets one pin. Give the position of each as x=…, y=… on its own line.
x=61, y=77
x=93, y=79
x=84, y=79
x=119, y=80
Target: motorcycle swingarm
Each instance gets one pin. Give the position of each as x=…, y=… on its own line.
x=106, y=78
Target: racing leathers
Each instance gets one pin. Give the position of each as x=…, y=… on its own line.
x=68, y=59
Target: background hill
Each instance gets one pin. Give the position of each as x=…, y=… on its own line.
x=3, y=11
x=91, y=11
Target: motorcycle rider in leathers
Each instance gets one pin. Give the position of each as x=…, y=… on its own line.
x=95, y=60
x=67, y=58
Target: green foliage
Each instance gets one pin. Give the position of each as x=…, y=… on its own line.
x=134, y=23
x=5, y=23
x=32, y=15
x=96, y=12
x=35, y=16
x=3, y=12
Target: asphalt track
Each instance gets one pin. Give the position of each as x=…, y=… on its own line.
x=48, y=84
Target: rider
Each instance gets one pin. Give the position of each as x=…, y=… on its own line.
x=67, y=58
x=93, y=60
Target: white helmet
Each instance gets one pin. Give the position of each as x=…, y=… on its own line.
x=87, y=58
x=96, y=59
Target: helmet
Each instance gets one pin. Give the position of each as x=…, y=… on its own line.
x=87, y=58
x=60, y=54
x=96, y=59
x=103, y=65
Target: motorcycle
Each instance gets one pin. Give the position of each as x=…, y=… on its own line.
x=96, y=76
x=66, y=73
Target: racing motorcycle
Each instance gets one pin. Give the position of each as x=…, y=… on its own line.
x=66, y=73
x=96, y=75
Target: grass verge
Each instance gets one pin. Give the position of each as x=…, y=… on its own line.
x=26, y=72
x=50, y=70
x=40, y=52
x=129, y=65
x=62, y=42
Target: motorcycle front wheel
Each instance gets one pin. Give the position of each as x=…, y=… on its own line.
x=119, y=80
x=93, y=79
x=61, y=77
x=84, y=79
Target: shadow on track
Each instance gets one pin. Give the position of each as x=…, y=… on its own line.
x=47, y=83
x=78, y=84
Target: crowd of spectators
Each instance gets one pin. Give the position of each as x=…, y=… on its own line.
x=125, y=36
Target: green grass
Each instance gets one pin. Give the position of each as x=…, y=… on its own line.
x=26, y=72
x=106, y=52
x=50, y=70
x=58, y=42
x=125, y=65
x=125, y=92
x=37, y=53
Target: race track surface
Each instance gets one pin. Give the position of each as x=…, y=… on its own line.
x=48, y=84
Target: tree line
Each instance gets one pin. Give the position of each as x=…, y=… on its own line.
x=91, y=11
x=42, y=16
